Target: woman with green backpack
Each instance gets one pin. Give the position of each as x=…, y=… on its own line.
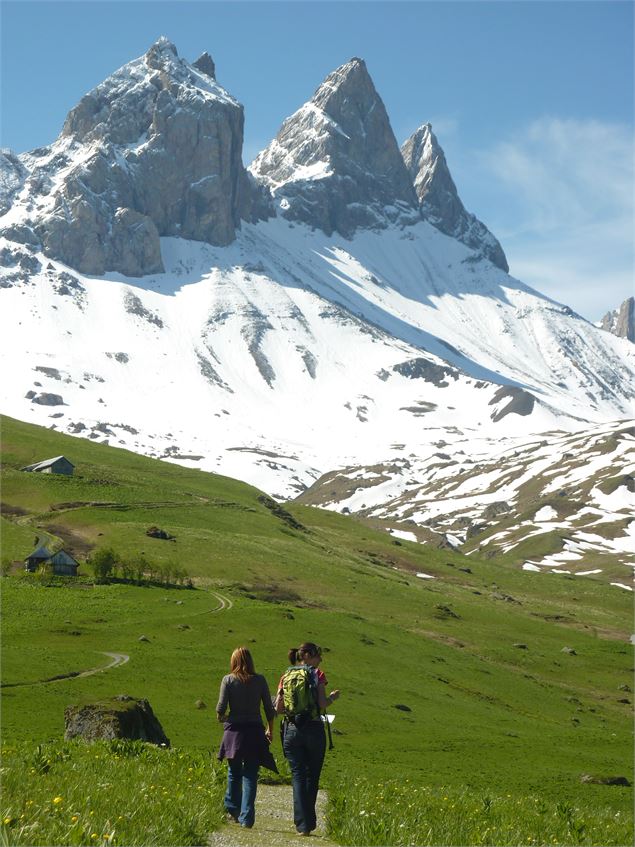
x=302, y=698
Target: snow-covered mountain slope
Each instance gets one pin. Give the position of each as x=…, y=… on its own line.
x=556, y=502
x=278, y=346
x=297, y=343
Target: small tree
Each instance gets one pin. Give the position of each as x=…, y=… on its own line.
x=138, y=565
x=127, y=570
x=164, y=574
x=103, y=561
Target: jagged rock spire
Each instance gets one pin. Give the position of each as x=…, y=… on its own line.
x=439, y=199
x=621, y=322
x=205, y=64
x=335, y=163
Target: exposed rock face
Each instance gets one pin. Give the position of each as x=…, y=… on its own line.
x=121, y=717
x=439, y=199
x=521, y=402
x=335, y=163
x=205, y=64
x=621, y=321
x=154, y=150
x=12, y=177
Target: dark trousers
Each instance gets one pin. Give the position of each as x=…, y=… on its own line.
x=304, y=749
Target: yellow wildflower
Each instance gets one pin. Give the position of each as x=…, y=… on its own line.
x=57, y=800
x=75, y=818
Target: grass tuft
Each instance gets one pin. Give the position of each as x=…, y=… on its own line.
x=109, y=793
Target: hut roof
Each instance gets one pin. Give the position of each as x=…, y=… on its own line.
x=40, y=553
x=46, y=463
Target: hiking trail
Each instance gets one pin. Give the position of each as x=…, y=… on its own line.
x=274, y=823
x=118, y=659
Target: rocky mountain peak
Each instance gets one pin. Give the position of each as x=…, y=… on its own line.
x=162, y=51
x=335, y=163
x=154, y=150
x=439, y=199
x=621, y=322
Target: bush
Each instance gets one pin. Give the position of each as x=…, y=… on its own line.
x=103, y=562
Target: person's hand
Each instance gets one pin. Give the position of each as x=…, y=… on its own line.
x=334, y=695
x=268, y=735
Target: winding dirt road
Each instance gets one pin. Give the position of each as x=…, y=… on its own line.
x=225, y=603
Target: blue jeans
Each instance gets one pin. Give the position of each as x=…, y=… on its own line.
x=304, y=749
x=240, y=797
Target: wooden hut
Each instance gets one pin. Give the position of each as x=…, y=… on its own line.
x=59, y=464
x=62, y=563
x=38, y=557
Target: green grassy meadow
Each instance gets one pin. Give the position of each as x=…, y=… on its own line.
x=435, y=686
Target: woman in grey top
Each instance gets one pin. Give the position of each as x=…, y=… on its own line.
x=245, y=742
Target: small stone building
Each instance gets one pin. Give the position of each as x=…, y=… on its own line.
x=59, y=464
x=63, y=563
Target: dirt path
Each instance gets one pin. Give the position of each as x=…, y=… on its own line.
x=224, y=603
x=117, y=659
x=274, y=823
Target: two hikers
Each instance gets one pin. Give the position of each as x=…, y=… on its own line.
x=301, y=697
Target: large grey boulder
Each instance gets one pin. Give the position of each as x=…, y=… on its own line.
x=621, y=322
x=121, y=717
x=439, y=199
x=335, y=164
x=154, y=150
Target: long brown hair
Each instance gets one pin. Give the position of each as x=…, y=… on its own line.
x=241, y=664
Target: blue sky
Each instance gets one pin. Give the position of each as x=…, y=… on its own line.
x=532, y=101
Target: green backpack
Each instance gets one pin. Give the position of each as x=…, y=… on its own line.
x=299, y=692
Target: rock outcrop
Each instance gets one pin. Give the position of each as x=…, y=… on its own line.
x=621, y=321
x=121, y=717
x=439, y=199
x=12, y=177
x=154, y=150
x=335, y=163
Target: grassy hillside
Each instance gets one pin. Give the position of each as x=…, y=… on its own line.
x=482, y=711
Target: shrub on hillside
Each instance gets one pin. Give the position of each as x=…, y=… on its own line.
x=102, y=562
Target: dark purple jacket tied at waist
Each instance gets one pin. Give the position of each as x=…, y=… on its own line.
x=244, y=737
